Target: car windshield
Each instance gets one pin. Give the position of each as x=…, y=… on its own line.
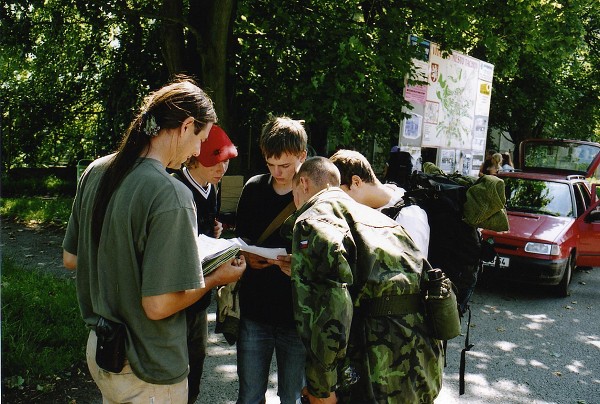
x=538, y=196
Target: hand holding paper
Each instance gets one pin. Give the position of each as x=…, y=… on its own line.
x=215, y=252
x=255, y=261
x=264, y=252
x=284, y=262
x=229, y=272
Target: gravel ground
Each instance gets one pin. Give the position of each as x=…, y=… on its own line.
x=530, y=347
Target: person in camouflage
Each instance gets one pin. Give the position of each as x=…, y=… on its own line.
x=358, y=307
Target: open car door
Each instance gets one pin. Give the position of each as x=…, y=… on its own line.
x=588, y=246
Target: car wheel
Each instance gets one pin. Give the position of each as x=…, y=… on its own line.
x=563, y=286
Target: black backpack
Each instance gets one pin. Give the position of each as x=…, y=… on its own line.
x=454, y=246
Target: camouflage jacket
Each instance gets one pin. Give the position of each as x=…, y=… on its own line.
x=347, y=258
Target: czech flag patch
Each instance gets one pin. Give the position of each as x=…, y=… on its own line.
x=303, y=244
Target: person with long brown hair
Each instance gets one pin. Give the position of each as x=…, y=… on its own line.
x=507, y=163
x=132, y=237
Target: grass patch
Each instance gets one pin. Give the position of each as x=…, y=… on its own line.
x=43, y=334
x=41, y=210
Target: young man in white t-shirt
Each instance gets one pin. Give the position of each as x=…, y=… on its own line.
x=360, y=182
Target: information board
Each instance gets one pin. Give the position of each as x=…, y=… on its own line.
x=450, y=109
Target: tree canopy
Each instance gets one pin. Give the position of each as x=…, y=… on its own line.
x=73, y=72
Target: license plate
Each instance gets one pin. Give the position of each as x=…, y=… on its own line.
x=504, y=262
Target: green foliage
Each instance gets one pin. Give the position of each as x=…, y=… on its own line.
x=47, y=93
x=545, y=78
x=342, y=69
x=46, y=185
x=42, y=331
x=41, y=210
x=74, y=72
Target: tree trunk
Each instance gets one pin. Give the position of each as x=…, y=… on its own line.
x=214, y=21
x=202, y=51
x=196, y=42
x=172, y=38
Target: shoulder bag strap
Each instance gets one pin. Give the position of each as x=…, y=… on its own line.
x=278, y=221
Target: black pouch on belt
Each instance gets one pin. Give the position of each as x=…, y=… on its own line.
x=110, y=351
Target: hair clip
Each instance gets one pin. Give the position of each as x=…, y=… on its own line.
x=151, y=128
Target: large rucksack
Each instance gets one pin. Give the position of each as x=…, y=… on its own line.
x=454, y=246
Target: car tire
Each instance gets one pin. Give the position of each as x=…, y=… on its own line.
x=562, y=288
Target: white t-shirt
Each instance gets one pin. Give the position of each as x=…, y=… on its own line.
x=412, y=218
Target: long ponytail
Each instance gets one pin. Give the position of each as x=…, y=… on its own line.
x=165, y=108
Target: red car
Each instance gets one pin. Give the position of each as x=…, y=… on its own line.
x=553, y=213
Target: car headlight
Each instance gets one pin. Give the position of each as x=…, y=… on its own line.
x=542, y=248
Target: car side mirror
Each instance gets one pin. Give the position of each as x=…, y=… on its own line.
x=594, y=193
x=593, y=216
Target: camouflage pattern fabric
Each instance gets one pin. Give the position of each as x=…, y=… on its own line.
x=345, y=254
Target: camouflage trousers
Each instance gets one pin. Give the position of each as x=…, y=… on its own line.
x=396, y=362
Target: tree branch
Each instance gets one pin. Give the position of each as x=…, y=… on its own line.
x=152, y=16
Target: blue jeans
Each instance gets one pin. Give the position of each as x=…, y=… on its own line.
x=255, y=346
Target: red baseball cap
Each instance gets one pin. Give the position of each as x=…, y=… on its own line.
x=216, y=148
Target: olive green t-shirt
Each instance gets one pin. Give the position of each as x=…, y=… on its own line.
x=147, y=247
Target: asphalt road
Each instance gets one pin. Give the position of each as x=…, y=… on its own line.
x=529, y=347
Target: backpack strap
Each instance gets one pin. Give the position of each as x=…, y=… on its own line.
x=392, y=211
x=407, y=200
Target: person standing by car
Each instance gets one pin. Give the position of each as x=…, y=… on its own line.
x=483, y=169
x=507, y=164
x=266, y=321
x=495, y=164
x=202, y=174
x=131, y=237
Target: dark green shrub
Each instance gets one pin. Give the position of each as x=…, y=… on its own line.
x=54, y=181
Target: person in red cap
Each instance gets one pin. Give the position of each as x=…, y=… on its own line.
x=202, y=175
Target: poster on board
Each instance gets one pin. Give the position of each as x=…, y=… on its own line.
x=450, y=109
x=412, y=126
